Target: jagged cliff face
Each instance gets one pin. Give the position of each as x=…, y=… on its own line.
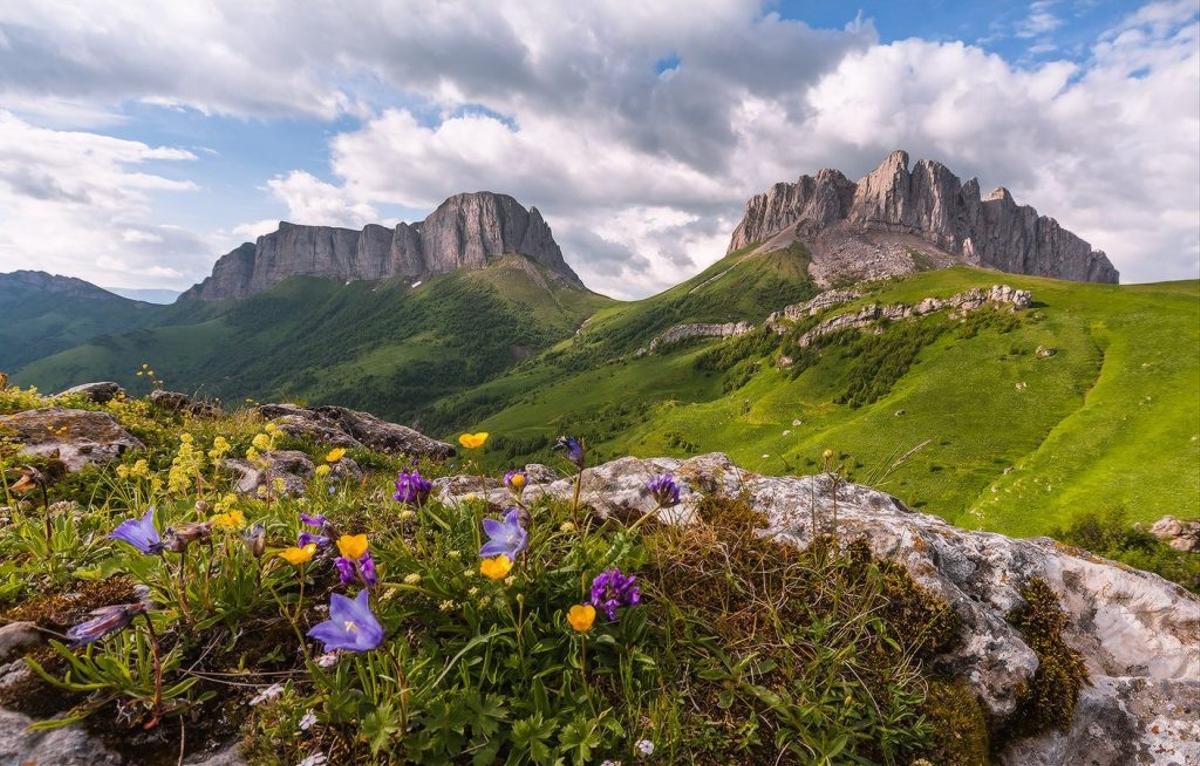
x=871, y=228
x=467, y=231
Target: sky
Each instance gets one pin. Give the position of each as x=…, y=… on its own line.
x=140, y=140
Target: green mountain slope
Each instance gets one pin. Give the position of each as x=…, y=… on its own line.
x=383, y=346
x=41, y=314
x=1003, y=439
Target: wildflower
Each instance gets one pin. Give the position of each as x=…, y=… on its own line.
x=140, y=533
x=506, y=537
x=454, y=554
x=185, y=437
x=606, y=762
x=468, y=573
x=664, y=490
x=515, y=481
x=327, y=660
x=473, y=441
x=472, y=591
x=611, y=589
x=566, y=527
x=252, y=454
x=308, y=537
x=412, y=578
x=644, y=747
x=261, y=442
x=234, y=519
x=313, y=521
x=352, y=546
x=307, y=720
x=408, y=514
x=510, y=580
x=177, y=539
x=573, y=448
x=351, y=625
x=581, y=616
x=256, y=540
x=102, y=621
x=297, y=555
x=322, y=471
x=496, y=568
x=316, y=759
x=279, y=484
x=349, y=569
x=412, y=488
x=447, y=606
x=827, y=455
x=267, y=694
x=335, y=454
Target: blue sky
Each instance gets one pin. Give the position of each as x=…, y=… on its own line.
x=138, y=142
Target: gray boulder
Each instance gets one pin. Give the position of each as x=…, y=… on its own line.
x=344, y=427
x=292, y=467
x=76, y=437
x=68, y=746
x=1180, y=534
x=100, y=392
x=179, y=403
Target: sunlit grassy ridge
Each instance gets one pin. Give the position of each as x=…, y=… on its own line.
x=1012, y=442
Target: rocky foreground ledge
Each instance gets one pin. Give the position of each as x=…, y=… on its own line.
x=1139, y=634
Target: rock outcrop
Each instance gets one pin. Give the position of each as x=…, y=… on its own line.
x=100, y=392
x=682, y=332
x=1180, y=534
x=1138, y=634
x=76, y=437
x=894, y=221
x=467, y=231
x=344, y=427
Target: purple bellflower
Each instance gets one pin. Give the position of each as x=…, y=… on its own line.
x=317, y=521
x=140, y=533
x=351, y=625
x=507, y=537
x=611, y=590
x=308, y=537
x=102, y=621
x=573, y=448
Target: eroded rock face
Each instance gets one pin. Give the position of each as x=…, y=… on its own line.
x=682, y=332
x=68, y=746
x=1180, y=534
x=77, y=437
x=344, y=427
x=178, y=403
x=466, y=231
x=845, y=224
x=1139, y=634
x=291, y=467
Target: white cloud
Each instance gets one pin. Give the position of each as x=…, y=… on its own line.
x=80, y=203
x=641, y=176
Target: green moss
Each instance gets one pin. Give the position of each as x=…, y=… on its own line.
x=958, y=724
x=1048, y=700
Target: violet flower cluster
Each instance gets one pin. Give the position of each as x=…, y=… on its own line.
x=612, y=590
x=664, y=490
x=412, y=488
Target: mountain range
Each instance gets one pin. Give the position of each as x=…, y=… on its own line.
x=473, y=319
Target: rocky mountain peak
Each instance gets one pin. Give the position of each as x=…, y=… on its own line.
x=893, y=221
x=467, y=231
x=41, y=281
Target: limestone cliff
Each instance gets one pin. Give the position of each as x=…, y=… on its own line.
x=893, y=221
x=466, y=231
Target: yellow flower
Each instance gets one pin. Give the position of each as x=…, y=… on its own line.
x=252, y=454
x=335, y=454
x=185, y=437
x=517, y=482
x=234, y=519
x=297, y=556
x=123, y=472
x=581, y=617
x=322, y=471
x=496, y=568
x=412, y=578
x=261, y=442
x=352, y=546
x=473, y=441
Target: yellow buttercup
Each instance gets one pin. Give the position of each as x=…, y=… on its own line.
x=335, y=454
x=496, y=568
x=581, y=617
x=473, y=441
x=297, y=556
x=352, y=546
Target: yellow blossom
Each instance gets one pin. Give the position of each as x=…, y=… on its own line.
x=279, y=484
x=261, y=442
x=581, y=617
x=322, y=471
x=234, y=519
x=185, y=437
x=297, y=556
x=335, y=454
x=123, y=472
x=352, y=546
x=496, y=568
x=473, y=441
x=412, y=578
x=252, y=454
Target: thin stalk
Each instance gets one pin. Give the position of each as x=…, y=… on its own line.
x=156, y=710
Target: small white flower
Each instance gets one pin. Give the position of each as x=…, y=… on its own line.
x=454, y=554
x=308, y=720
x=645, y=748
x=447, y=605
x=472, y=591
x=316, y=759
x=610, y=763
x=269, y=693
x=328, y=660
x=412, y=578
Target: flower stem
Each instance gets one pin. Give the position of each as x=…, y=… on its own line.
x=158, y=673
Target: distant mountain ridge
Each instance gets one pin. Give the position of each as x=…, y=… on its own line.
x=14, y=283
x=894, y=221
x=467, y=231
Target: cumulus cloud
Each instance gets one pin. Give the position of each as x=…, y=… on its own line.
x=641, y=173
x=80, y=203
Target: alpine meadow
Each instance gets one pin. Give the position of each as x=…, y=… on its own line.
x=644, y=455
